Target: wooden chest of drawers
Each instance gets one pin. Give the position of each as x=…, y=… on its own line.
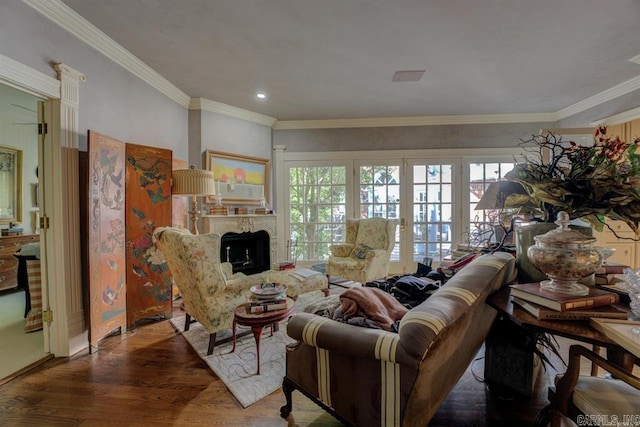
x=8, y=263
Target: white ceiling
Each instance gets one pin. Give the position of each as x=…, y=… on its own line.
x=335, y=59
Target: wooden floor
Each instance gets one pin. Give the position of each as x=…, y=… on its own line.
x=152, y=377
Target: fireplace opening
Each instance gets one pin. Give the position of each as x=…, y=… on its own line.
x=248, y=253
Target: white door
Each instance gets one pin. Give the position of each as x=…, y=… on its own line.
x=433, y=209
x=379, y=189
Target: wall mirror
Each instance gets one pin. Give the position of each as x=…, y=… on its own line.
x=10, y=185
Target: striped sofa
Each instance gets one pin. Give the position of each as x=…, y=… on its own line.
x=370, y=377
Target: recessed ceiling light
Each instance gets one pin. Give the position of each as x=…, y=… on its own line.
x=261, y=95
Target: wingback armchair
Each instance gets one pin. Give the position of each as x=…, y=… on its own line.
x=366, y=252
x=209, y=290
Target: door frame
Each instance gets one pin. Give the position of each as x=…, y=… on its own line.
x=60, y=244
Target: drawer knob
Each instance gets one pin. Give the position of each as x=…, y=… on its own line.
x=2, y=278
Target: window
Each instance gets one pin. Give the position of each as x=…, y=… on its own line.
x=481, y=222
x=433, y=191
x=317, y=210
x=379, y=189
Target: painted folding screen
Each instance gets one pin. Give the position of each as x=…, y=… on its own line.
x=148, y=205
x=106, y=236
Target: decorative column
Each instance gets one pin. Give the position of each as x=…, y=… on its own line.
x=60, y=166
x=280, y=191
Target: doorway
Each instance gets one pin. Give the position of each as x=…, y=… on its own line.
x=19, y=129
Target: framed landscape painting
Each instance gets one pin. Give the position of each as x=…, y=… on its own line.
x=239, y=179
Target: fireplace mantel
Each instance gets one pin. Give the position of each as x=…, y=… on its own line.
x=221, y=224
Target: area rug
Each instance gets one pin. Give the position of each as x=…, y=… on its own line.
x=237, y=370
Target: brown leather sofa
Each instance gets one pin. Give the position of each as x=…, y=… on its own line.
x=371, y=377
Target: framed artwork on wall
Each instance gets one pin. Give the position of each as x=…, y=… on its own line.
x=239, y=179
x=10, y=185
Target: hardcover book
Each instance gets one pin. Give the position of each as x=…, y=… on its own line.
x=263, y=308
x=543, y=313
x=612, y=268
x=531, y=292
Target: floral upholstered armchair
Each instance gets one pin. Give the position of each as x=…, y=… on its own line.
x=210, y=291
x=365, y=254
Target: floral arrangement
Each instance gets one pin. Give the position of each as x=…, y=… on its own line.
x=588, y=182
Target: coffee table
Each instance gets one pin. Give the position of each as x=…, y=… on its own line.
x=258, y=321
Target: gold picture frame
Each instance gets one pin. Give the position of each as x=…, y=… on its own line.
x=239, y=179
x=10, y=185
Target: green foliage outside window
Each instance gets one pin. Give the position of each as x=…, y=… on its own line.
x=318, y=204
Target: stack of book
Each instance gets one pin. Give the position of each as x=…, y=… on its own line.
x=286, y=265
x=218, y=210
x=263, y=306
x=609, y=273
x=545, y=305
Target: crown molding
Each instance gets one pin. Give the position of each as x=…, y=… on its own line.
x=616, y=119
x=600, y=98
x=231, y=111
x=415, y=121
x=19, y=76
x=68, y=19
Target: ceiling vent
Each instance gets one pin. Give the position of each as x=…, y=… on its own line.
x=408, y=76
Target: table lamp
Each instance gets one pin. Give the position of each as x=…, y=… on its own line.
x=193, y=182
x=496, y=194
x=494, y=199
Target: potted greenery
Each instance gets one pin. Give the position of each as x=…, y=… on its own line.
x=588, y=182
x=591, y=183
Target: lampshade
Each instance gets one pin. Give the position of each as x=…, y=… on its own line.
x=193, y=182
x=496, y=194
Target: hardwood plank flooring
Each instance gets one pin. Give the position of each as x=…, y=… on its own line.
x=151, y=376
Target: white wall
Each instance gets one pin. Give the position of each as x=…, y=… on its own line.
x=113, y=101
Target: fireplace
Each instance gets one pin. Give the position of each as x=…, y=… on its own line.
x=246, y=227
x=248, y=253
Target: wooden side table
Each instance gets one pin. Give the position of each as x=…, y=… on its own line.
x=577, y=330
x=258, y=321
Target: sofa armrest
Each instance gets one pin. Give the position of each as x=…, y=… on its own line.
x=341, y=249
x=340, y=337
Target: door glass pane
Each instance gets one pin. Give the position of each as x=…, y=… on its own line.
x=432, y=211
x=482, y=222
x=380, y=195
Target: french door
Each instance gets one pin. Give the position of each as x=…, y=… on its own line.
x=433, y=209
x=421, y=194
x=379, y=188
x=432, y=196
